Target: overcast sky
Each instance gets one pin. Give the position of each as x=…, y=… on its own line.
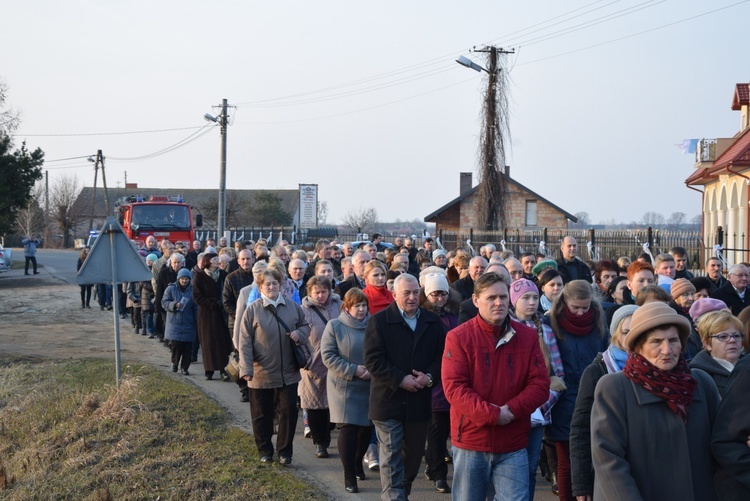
x=365, y=99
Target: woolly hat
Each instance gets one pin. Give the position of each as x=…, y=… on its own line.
x=152, y=257
x=706, y=305
x=435, y=282
x=437, y=253
x=521, y=287
x=681, y=286
x=653, y=315
x=431, y=270
x=184, y=273
x=621, y=314
x=543, y=265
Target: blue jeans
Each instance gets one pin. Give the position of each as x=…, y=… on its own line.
x=401, y=449
x=148, y=322
x=475, y=473
x=534, y=450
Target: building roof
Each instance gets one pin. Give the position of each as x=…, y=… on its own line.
x=736, y=156
x=741, y=96
x=431, y=217
x=196, y=197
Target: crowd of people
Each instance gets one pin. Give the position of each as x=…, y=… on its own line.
x=614, y=379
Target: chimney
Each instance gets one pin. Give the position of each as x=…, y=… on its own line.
x=466, y=182
x=507, y=170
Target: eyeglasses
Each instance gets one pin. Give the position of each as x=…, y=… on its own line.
x=724, y=337
x=740, y=275
x=437, y=294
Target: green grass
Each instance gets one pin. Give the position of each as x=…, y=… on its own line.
x=66, y=432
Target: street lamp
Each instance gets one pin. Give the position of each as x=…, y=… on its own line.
x=465, y=61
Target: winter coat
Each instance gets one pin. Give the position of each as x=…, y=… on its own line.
x=730, y=436
x=216, y=344
x=705, y=362
x=464, y=287
x=577, y=353
x=481, y=374
x=312, y=387
x=165, y=277
x=134, y=294
x=147, y=296
x=350, y=283
x=729, y=295
x=378, y=298
x=233, y=284
x=573, y=270
x=581, y=466
x=265, y=348
x=182, y=322
x=393, y=351
x=29, y=246
x=342, y=350
x=449, y=317
x=644, y=450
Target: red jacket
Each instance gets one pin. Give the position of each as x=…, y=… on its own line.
x=479, y=378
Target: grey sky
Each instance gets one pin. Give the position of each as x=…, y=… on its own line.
x=592, y=130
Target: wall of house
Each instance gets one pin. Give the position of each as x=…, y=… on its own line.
x=725, y=204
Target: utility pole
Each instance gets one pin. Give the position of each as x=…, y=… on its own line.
x=493, y=189
x=46, y=205
x=100, y=163
x=223, y=170
x=93, y=197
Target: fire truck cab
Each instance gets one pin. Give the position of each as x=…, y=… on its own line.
x=158, y=216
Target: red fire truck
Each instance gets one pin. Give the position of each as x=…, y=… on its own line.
x=161, y=216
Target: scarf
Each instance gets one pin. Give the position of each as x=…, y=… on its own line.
x=378, y=298
x=546, y=303
x=577, y=325
x=615, y=359
x=213, y=273
x=675, y=386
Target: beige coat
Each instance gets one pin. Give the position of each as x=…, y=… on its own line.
x=312, y=388
x=266, y=349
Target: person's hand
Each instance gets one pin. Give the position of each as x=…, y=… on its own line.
x=362, y=373
x=294, y=336
x=409, y=383
x=247, y=377
x=505, y=416
x=421, y=378
x=587, y=497
x=556, y=383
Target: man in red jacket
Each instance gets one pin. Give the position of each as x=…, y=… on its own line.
x=494, y=377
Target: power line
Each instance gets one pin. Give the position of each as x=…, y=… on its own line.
x=189, y=139
x=63, y=159
x=107, y=133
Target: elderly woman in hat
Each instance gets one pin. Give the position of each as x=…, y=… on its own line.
x=610, y=361
x=722, y=335
x=683, y=297
x=651, y=423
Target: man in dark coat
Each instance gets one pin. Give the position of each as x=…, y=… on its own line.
x=714, y=269
x=166, y=276
x=570, y=265
x=734, y=293
x=233, y=284
x=465, y=286
x=402, y=351
x=359, y=260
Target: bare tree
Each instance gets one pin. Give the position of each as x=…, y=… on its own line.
x=653, y=219
x=676, y=220
x=31, y=218
x=360, y=219
x=63, y=194
x=584, y=220
x=9, y=117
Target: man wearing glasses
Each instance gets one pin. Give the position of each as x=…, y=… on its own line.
x=734, y=293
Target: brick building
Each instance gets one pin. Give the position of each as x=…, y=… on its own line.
x=525, y=209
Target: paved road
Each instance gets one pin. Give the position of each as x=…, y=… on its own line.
x=59, y=267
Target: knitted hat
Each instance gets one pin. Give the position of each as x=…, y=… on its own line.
x=653, y=315
x=681, y=286
x=184, y=273
x=435, y=282
x=152, y=257
x=431, y=270
x=621, y=314
x=706, y=305
x=543, y=265
x=437, y=253
x=521, y=287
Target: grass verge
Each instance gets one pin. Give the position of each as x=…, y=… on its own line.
x=66, y=432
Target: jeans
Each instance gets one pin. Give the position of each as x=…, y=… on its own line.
x=534, y=450
x=475, y=473
x=401, y=449
x=104, y=294
x=148, y=322
x=29, y=260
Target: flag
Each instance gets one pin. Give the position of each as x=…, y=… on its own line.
x=688, y=146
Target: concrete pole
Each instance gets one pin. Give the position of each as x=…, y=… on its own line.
x=223, y=170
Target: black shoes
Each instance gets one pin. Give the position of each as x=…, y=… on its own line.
x=174, y=368
x=245, y=395
x=321, y=452
x=352, y=488
x=185, y=372
x=266, y=459
x=442, y=486
x=285, y=460
x=37, y=273
x=361, y=476
x=209, y=376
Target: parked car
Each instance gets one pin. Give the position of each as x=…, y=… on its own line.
x=5, y=255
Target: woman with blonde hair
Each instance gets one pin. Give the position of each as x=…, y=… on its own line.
x=578, y=321
x=722, y=335
x=378, y=295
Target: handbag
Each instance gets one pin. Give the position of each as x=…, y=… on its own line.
x=233, y=367
x=302, y=355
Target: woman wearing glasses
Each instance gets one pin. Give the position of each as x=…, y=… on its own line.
x=722, y=336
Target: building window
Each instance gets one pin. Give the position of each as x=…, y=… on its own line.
x=531, y=213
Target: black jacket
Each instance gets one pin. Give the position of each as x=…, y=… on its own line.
x=233, y=284
x=165, y=277
x=391, y=351
x=464, y=286
x=705, y=362
x=575, y=270
x=728, y=294
x=467, y=311
x=347, y=284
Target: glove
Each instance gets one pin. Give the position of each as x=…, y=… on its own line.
x=556, y=383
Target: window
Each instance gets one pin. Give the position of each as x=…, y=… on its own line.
x=530, y=212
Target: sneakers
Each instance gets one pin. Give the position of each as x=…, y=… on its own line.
x=308, y=432
x=174, y=368
x=371, y=457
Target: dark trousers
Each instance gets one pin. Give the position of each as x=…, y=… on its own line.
x=319, y=421
x=135, y=317
x=86, y=295
x=440, y=429
x=353, y=442
x=181, y=353
x=264, y=404
x=160, y=320
x=564, y=481
x=30, y=259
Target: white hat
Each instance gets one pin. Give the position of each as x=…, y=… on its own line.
x=435, y=282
